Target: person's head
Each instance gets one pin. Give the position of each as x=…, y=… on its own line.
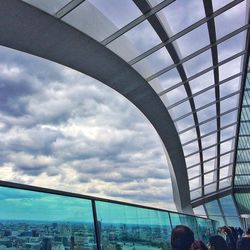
x=217, y=243
x=182, y=237
x=198, y=245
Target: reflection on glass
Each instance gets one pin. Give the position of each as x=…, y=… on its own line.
x=33, y=220
x=194, y=40
x=176, y=14
x=153, y=63
x=230, y=20
x=214, y=212
x=128, y=227
x=47, y=5
x=136, y=41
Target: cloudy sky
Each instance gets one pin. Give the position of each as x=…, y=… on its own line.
x=63, y=130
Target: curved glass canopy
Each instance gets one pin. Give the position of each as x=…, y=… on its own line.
x=195, y=62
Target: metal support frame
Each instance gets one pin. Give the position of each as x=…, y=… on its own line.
x=205, y=90
x=68, y=8
x=185, y=31
x=146, y=15
x=212, y=158
x=159, y=28
x=243, y=82
x=96, y=226
x=208, y=105
x=210, y=146
x=202, y=72
x=210, y=171
x=208, y=120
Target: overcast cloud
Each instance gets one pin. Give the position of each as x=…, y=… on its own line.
x=63, y=130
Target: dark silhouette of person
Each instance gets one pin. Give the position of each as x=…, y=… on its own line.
x=217, y=243
x=240, y=232
x=182, y=238
x=244, y=242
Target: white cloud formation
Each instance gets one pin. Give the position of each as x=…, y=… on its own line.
x=63, y=130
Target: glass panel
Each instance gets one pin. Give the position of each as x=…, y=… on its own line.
x=230, y=86
x=230, y=20
x=225, y=159
x=195, y=183
x=210, y=188
x=224, y=172
x=188, y=136
x=176, y=14
x=195, y=171
x=205, y=229
x=228, y=118
x=230, y=211
x=208, y=178
x=229, y=103
x=214, y=212
x=45, y=221
x=136, y=41
x=198, y=63
x=154, y=2
x=190, y=148
x=195, y=194
x=193, y=159
x=181, y=219
x=208, y=127
x=204, y=98
x=209, y=165
x=231, y=68
x=228, y=132
x=217, y=4
x=180, y=110
x=153, y=63
x=101, y=19
x=242, y=180
x=231, y=46
x=118, y=13
x=200, y=211
x=207, y=113
x=227, y=146
x=225, y=183
x=209, y=140
x=47, y=5
x=184, y=123
x=193, y=41
x=166, y=80
x=243, y=202
x=129, y=227
x=176, y=95
x=202, y=82
x=209, y=153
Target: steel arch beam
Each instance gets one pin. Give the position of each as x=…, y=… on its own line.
x=26, y=28
x=159, y=28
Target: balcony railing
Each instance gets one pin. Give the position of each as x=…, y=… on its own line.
x=38, y=218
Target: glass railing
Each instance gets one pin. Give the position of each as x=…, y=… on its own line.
x=37, y=219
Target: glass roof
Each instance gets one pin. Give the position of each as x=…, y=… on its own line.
x=193, y=62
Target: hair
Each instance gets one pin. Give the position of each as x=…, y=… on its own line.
x=182, y=237
x=198, y=245
x=218, y=243
x=248, y=231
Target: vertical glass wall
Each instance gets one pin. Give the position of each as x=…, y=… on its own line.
x=229, y=211
x=38, y=221
x=127, y=227
x=224, y=211
x=34, y=220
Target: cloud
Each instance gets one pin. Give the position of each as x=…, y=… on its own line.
x=69, y=132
